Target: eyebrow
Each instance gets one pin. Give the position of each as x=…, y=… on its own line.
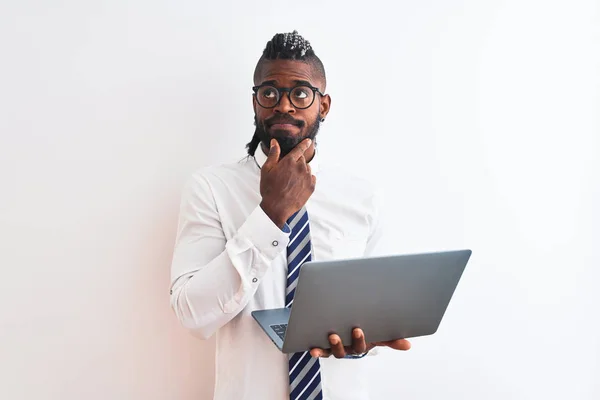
x=296, y=82
x=307, y=83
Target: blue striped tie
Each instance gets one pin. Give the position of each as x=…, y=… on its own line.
x=305, y=375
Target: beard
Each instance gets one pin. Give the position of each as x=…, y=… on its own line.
x=286, y=141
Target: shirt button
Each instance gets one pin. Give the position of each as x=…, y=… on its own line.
x=275, y=243
x=255, y=280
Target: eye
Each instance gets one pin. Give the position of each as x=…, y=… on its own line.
x=269, y=93
x=301, y=93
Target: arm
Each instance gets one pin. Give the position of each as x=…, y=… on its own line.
x=376, y=226
x=212, y=278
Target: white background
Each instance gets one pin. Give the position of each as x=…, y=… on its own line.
x=480, y=118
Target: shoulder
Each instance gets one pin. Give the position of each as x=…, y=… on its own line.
x=219, y=172
x=214, y=177
x=216, y=171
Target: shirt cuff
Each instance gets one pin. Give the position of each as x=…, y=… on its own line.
x=356, y=356
x=263, y=234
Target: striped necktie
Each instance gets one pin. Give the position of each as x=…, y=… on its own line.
x=304, y=370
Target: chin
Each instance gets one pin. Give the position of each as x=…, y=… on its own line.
x=286, y=142
x=285, y=136
x=284, y=133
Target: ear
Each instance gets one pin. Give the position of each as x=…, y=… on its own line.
x=325, y=106
x=254, y=103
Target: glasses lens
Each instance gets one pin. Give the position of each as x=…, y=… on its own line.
x=267, y=96
x=302, y=96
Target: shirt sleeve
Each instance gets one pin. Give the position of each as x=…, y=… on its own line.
x=374, y=246
x=212, y=279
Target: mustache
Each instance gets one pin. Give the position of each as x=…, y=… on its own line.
x=283, y=119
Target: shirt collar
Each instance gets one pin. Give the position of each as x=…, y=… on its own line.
x=261, y=158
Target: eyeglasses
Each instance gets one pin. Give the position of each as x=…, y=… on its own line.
x=301, y=96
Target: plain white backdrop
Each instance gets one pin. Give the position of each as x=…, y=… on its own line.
x=479, y=118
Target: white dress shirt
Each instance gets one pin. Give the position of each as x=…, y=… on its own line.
x=230, y=259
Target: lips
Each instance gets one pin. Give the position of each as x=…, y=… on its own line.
x=282, y=126
x=283, y=123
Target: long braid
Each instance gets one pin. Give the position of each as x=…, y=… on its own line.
x=253, y=145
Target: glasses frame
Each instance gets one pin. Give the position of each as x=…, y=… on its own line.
x=281, y=91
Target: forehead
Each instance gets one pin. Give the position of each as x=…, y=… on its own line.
x=286, y=72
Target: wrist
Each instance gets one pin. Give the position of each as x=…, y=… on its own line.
x=356, y=356
x=274, y=215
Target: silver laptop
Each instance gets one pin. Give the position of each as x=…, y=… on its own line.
x=392, y=297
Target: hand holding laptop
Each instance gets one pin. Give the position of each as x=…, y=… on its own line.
x=359, y=345
x=390, y=298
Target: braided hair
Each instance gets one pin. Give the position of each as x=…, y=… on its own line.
x=286, y=46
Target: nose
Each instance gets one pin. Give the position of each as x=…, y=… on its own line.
x=285, y=105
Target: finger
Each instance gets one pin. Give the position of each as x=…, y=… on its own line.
x=316, y=353
x=273, y=157
x=337, y=347
x=400, y=344
x=301, y=164
x=359, y=345
x=308, y=169
x=300, y=149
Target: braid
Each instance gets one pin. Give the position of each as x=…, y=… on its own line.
x=286, y=46
x=253, y=145
x=290, y=46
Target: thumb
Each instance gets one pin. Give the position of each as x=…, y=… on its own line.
x=400, y=344
x=274, y=152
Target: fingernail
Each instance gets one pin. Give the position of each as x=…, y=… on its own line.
x=309, y=141
x=334, y=341
x=357, y=334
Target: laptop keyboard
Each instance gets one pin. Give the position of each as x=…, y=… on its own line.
x=280, y=330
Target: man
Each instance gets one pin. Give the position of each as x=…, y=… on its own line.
x=245, y=230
